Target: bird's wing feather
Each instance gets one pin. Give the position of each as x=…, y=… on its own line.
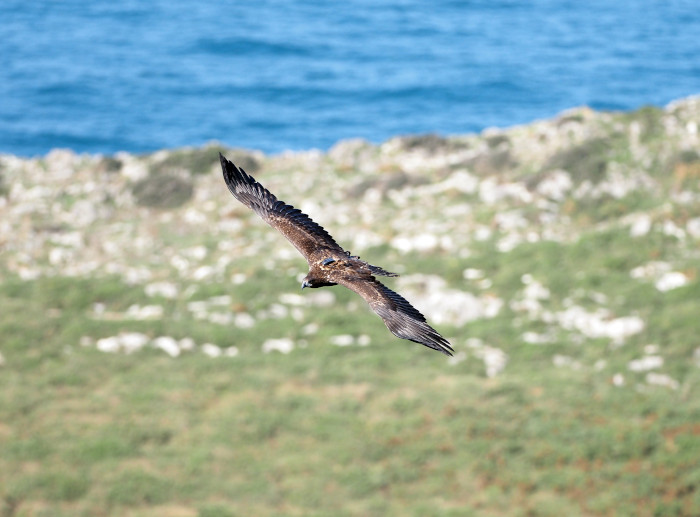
x=306, y=235
x=400, y=317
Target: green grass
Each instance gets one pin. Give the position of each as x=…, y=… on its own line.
x=385, y=429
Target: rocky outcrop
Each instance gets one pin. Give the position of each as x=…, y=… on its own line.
x=166, y=221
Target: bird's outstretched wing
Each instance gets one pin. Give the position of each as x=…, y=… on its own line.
x=306, y=235
x=400, y=317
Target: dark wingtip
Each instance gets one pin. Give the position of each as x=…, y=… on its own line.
x=439, y=343
x=225, y=164
x=435, y=341
x=232, y=175
x=446, y=349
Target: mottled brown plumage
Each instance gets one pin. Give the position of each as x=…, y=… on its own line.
x=329, y=263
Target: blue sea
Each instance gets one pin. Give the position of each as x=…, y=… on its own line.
x=135, y=75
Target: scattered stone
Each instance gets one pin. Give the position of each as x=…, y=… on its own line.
x=618, y=380
x=671, y=280
x=164, y=289
x=168, y=345
x=283, y=345
x=661, y=379
x=342, y=340
x=211, y=350
x=644, y=364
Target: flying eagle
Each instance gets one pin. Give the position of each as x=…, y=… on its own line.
x=330, y=264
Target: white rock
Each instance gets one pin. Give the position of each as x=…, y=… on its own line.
x=661, y=379
x=511, y=220
x=59, y=256
x=147, y=312
x=277, y=311
x=134, y=170
x=536, y=339
x=647, y=363
x=196, y=252
x=693, y=227
x=556, y=185
x=292, y=299
x=321, y=298
x=310, y=329
x=363, y=340
x=238, y=278
x=283, y=345
x=596, y=324
x=561, y=361
x=671, y=280
x=186, y=343
x=650, y=270
x=132, y=341
x=494, y=360
x=136, y=275
x=482, y=233
x=108, y=344
x=364, y=239
x=640, y=226
x=221, y=318
x=421, y=242
x=459, y=180
x=443, y=305
x=231, y=351
x=671, y=229
x=203, y=272
x=180, y=263
x=243, y=320
x=83, y=213
x=69, y=239
x=194, y=217
x=342, y=340
x=425, y=242
x=168, y=345
x=536, y=291
x=509, y=242
x=26, y=273
x=211, y=350
x=651, y=349
x=164, y=289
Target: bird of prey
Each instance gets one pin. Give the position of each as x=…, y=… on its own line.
x=330, y=264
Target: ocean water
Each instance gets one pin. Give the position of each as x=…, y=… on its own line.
x=134, y=75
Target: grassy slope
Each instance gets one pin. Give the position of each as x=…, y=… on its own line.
x=387, y=429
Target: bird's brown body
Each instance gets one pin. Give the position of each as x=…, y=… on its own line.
x=329, y=263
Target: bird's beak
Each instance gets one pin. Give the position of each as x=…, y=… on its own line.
x=304, y=284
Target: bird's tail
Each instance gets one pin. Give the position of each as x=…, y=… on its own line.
x=376, y=270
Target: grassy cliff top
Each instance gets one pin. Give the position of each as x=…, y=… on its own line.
x=157, y=357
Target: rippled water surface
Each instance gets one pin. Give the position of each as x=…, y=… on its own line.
x=138, y=76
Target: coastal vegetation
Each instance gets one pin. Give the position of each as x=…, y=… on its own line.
x=158, y=358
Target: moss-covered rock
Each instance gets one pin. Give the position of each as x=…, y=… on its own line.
x=204, y=160
x=587, y=161
x=164, y=190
